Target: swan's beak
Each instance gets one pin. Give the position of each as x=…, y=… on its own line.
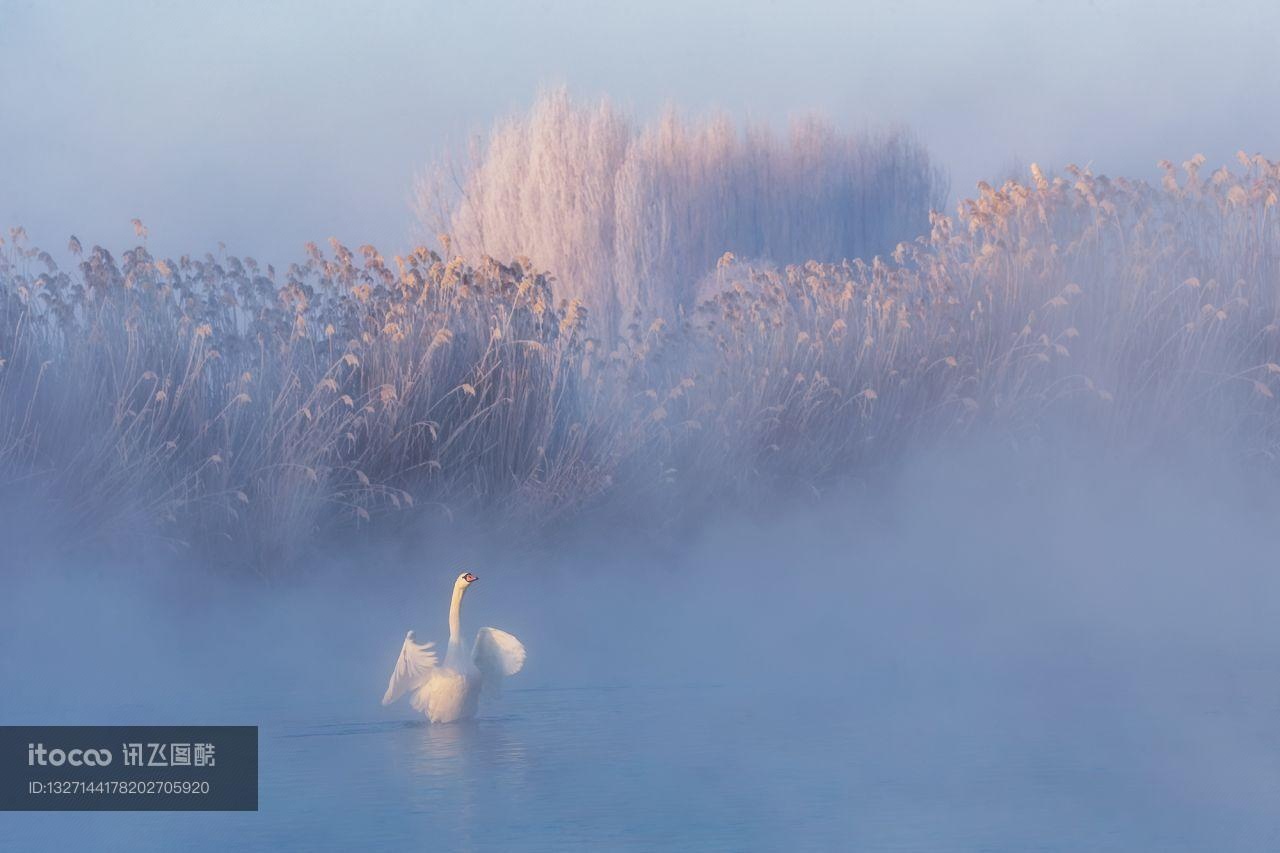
x=470, y=578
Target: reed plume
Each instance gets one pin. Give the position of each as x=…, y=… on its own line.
x=250, y=412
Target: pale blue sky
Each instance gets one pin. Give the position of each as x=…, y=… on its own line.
x=267, y=124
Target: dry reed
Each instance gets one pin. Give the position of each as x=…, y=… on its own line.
x=220, y=405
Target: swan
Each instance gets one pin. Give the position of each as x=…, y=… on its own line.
x=452, y=691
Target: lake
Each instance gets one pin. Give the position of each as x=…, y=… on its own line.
x=907, y=767
x=968, y=670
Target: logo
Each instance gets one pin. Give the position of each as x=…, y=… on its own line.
x=128, y=768
x=38, y=755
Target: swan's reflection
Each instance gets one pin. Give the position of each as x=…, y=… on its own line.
x=485, y=745
x=476, y=762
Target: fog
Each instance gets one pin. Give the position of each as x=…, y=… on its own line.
x=267, y=125
x=997, y=650
x=999, y=634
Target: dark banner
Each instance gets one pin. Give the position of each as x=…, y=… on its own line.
x=128, y=768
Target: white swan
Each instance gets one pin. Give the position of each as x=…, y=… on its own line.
x=451, y=692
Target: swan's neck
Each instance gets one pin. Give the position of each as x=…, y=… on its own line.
x=455, y=616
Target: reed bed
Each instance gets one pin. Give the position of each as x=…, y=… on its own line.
x=256, y=414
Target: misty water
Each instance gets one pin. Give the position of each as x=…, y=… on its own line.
x=871, y=641
x=986, y=656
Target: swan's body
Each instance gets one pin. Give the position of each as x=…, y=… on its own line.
x=452, y=691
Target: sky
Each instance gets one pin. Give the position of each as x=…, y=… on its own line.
x=263, y=125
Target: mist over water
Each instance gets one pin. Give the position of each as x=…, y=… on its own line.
x=968, y=550
x=1002, y=649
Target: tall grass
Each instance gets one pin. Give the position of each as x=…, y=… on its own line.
x=256, y=412
x=630, y=217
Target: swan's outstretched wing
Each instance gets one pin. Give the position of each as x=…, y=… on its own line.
x=496, y=654
x=414, y=667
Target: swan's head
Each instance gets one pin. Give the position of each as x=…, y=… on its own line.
x=464, y=580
